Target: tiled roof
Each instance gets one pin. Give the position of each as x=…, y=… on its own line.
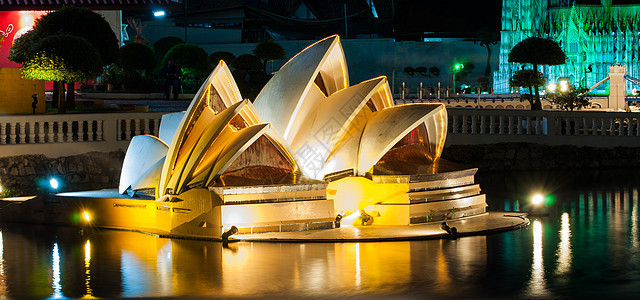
x=90, y=4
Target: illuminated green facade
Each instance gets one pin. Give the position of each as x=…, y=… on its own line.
x=594, y=36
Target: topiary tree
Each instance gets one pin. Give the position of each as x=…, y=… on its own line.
x=62, y=58
x=249, y=75
x=136, y=59
x=73, y=21
x=193, y=61
x=135, y=56
x=163, y=45
x=537, y=51
x=227, y=57
x=188, y=56
x=82, y=23
x=527, y=79
x=268, y=50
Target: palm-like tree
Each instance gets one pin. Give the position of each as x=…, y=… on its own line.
x=486, y=38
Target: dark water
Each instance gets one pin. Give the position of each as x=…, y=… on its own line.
x=588, y=247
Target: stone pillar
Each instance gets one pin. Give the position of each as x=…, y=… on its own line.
x=618, y=87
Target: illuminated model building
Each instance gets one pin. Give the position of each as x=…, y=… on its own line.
x=594, y=37
x=309, y=151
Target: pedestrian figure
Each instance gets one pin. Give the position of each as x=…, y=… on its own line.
x=172, y=74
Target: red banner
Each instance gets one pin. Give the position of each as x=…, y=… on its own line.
x=13, y=24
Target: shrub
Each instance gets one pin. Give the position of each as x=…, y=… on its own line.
x=188, y=56
x=163, y=45
x=136, y=56
x=227, y=57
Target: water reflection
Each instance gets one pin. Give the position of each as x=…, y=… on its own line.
x=57, y=288
x=564, y=247
x=586, y=247
x=537, y=285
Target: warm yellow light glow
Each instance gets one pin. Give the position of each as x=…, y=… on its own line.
x=86, y=216
x=353, y=194
x=537, y=285
x=564, y=86
x=551, y=87
x=537, y=199
x=564, y=248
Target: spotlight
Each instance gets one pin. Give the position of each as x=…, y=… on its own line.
x=86, y=216
x=551, y=87
x=54, y=183
x=537, y=199
x=158, y=13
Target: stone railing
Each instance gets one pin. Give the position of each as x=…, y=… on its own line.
x=580, y=128
x=70, y=134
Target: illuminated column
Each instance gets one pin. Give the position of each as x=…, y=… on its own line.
x=618, y=87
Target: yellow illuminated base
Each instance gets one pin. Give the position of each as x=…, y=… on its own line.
x=381, y=200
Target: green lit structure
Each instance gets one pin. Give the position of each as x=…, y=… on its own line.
x=593, y=34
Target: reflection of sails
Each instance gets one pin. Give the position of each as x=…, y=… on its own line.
x=537, y=284
x=564, y=248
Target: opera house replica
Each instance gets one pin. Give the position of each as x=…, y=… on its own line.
x=311, y=152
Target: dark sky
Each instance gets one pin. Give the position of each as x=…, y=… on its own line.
x=447, y=16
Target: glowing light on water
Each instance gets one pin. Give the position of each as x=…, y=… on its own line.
x=55, y=265
x=537, y=284
x=87, y=268
x=358, y=266
x=564, y=248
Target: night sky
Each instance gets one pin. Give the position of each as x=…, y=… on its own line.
x=415, y=16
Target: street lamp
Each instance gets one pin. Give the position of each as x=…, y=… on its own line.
x=456, y=67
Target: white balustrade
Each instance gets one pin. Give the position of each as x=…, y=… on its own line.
x=67, y=134
x=581, y=128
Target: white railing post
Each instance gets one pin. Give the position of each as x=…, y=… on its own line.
x=41, y=132
x=464, y=124
x=473, y=124
x=12, y=133
x=60, y=131
x=99, y=132
x=3, y=133
x=22, y=134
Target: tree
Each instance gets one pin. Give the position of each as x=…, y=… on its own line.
x=537, y=51
x=527, y=79
x=249, y=75
x=268, y=50
x=163, y=45
x=136, y=56
x=227, y=57
x=188, y=56
x=85, y=24
x=572, y=98
x=62, y=58
x=73, y=21
x=193, y=61
x=486, y=39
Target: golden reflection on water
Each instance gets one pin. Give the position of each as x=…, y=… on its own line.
x=537, y=285
x=564, y=247
x=87, y=269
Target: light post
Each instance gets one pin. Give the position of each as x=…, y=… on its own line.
x=456, y=67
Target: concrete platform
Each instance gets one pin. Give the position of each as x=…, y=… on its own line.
x=475, y=225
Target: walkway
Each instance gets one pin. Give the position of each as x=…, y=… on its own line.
x=476, y=225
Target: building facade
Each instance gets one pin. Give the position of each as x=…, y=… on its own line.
x=593, y=34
